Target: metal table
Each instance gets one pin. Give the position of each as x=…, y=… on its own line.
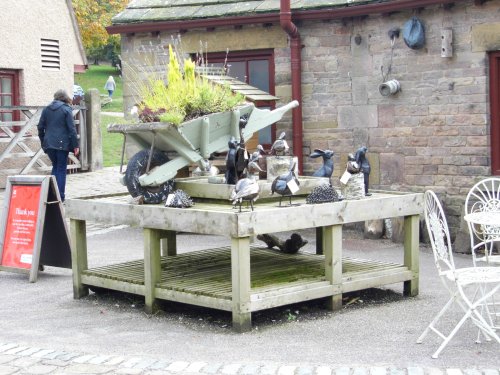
x=485, y=225
x=242, y=278
x=484, y=218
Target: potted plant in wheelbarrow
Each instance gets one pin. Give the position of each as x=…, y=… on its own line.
x=182, y=123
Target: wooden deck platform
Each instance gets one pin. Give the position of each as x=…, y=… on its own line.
x=208, y=273
x=243, y=278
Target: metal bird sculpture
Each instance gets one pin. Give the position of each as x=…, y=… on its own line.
x=247, y=189
x=241, y=151
x=364, y=166
x=259, y=151
x=253, y=163
x=326, y=169
x=231, y=175
x=258, y=155
x=283, y=183
x=280, y=147
x=289, y=246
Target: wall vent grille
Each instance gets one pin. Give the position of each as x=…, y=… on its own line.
x=51, y=59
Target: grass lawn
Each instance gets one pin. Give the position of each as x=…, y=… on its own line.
x=95, y=77
x=111, y=142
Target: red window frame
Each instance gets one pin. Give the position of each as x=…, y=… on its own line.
x=14, y=75
x=247, y=56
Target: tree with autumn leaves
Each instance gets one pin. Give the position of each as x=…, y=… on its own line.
x=93, y=16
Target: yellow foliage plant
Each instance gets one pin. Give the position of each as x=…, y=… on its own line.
x=185, y=96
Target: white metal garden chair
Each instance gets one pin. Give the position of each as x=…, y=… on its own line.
x=484, y=197
x=469, y=287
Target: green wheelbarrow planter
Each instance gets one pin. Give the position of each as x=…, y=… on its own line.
x=192, y=142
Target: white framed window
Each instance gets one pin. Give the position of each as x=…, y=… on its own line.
x=50, y=57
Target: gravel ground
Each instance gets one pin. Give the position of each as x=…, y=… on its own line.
x=375, y=327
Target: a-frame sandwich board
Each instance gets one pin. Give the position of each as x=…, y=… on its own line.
x=33, y=231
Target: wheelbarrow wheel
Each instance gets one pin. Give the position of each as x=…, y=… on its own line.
x=136, y=167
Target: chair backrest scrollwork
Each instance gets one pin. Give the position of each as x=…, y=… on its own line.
x=439, y=234
x=484, y=196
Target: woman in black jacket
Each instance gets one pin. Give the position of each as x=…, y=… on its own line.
x=57, y=134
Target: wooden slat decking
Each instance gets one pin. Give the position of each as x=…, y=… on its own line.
x=208, y=272
x=243, y=279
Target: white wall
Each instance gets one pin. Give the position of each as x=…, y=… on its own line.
x=22, y=24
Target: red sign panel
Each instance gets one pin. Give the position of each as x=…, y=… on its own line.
x=20, y=231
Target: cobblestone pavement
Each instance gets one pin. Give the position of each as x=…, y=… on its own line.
x=18, y=359
x=15, y=359
x=103, y=181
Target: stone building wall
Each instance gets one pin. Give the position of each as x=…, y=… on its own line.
x=145, y=54
x=434, y=134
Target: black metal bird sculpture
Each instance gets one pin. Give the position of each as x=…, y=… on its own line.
x=282, y=184
x=326, y=169
x=231, y=175
x=289, y=246
x=280, y=147
x=241, y=151
x=364, y=166
x=247, y=189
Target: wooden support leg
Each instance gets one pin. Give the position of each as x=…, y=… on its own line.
x=411, y=255
x=168, y=243
x=152, y=266
x=332, y=247
x=319, y=240
x=240, y=275
x=78, y=256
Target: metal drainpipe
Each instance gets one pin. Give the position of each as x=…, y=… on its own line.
x=296, y=61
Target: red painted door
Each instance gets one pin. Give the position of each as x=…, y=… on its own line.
x=495, y=111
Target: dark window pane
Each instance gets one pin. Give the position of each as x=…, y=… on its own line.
x=6, y=100
x=6, y=85
x=237, y=69
x=259, y=74
x=6, y=116
x=265, y=136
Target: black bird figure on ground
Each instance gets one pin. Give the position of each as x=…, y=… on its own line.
x=247, y=189
x=289, y=246
x=282, y=183
x=231, y=175
x=280, y=147
x=326, y=169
